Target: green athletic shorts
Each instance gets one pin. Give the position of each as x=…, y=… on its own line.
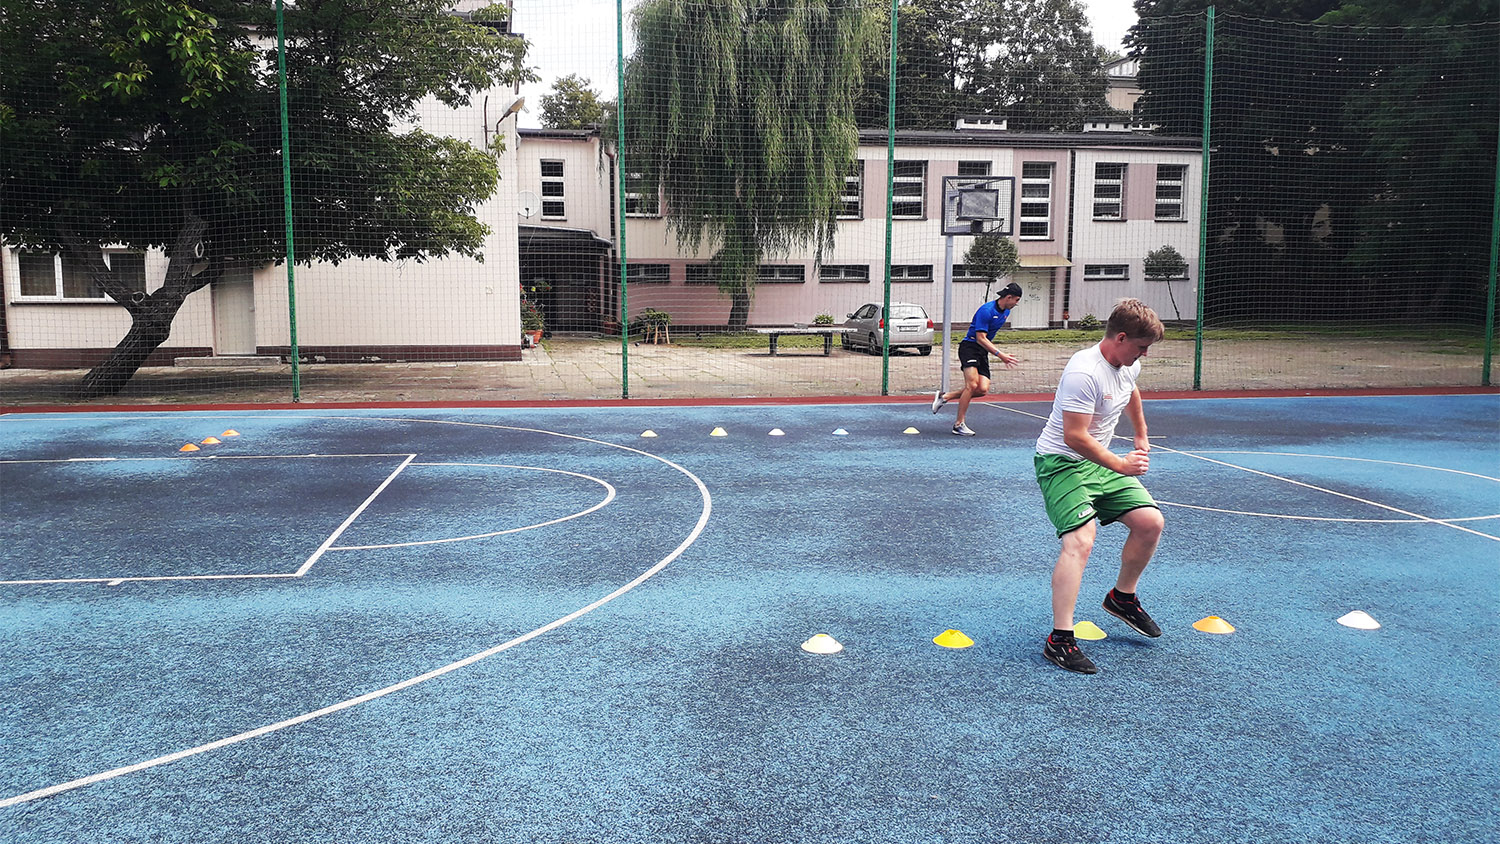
x=1077, y=490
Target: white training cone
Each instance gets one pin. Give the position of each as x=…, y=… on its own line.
x=822, y=643
x=841, y=433
x=911, y=431
x=777, y=432
x=648, y=433
x=1359, y=620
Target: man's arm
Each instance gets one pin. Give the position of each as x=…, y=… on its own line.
x=1076, y=435
x=1135, y=411
x=983, y=339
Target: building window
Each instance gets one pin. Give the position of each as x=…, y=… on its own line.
x=973, y=168
x=911, y=272
x=1036, y=200
x=700, y=274
x=648, y=273
x=909, y=190
x=1106, y=272
x=780, y=274
x=45, y=275
x=962, y=273
x=1109, y=191
x=844, y=273
x=852, y=200
x=1169, y=181
x=554, y=197
x=642, y=196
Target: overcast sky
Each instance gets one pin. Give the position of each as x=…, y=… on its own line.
x=578, y=36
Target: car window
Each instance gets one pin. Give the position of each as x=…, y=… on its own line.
x=908, y=312
x=865, y=313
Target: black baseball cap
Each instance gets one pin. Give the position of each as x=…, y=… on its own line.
x=1011, y=289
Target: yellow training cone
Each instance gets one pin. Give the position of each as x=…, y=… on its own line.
x=230, y=433
x=822, y=643
x=777, y=432
x=189, y=447
x=648, y=433
x=718, y=432
x=210, y=440
x=911, y=431
x=1088, y=630
x=1213, y=624
x=952, y=639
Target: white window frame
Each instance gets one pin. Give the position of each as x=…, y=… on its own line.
x=975, y=168
x=844, y=274
x=909, y=198
x=559, y=199
x=852, y=200
x=1036, y=198
x=58, y=292
x=780, y=274
x=1106, y=272
x=961, y=275
x=911, y=273
x=1109, y=191
x=1173, y=177
x=638, y=194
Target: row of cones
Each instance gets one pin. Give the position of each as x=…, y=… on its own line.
x=774, y=432
x=823, y=643
x=210, y=440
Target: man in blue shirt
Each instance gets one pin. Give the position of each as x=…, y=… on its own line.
x=974, y=355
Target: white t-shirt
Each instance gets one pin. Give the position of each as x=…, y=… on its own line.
x=1089, y=384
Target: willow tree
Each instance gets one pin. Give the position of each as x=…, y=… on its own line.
x=743, y=112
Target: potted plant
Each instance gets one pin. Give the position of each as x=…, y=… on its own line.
x=532, y=323
x=654, y=324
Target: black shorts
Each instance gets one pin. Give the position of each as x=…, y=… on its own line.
x=971, y=354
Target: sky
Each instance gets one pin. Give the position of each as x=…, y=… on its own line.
x=578, y=36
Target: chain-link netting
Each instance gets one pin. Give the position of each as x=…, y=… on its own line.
x=695, y=198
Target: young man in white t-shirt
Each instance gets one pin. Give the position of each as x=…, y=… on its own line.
x=1082, y=480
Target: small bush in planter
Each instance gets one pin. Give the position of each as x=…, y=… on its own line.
x=823, y=319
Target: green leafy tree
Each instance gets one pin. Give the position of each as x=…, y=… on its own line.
x=743, y=111
x=1166, y=264
x=1348, y=161
x=1033, y=62
x=155, y=124
x=991, y=257
x=574, y=105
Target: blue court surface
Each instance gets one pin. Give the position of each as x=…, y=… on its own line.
x=518, y=625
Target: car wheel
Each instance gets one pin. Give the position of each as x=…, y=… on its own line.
x=872, y=345
x=844, y=342
x=925, y=350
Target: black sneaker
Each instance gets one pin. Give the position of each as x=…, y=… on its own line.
x=1131, y=613
x=1065, y=653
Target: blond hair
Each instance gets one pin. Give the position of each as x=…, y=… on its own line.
x=1136, y=320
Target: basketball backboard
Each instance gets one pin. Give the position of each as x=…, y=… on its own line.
x=974, y=205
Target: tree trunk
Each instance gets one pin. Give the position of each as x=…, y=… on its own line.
x=739, y=308
x=150, y=324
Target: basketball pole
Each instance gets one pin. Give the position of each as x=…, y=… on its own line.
x=947, y=308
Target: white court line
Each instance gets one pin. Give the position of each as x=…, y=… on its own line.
x=609, y=496
x=194, y=457
x=116, y=581
x=1416, y=516
x=692, y=537
x=352, y=516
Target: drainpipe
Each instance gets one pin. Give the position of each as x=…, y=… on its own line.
x=1067, y=291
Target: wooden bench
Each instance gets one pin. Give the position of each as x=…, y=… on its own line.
x=826, y=330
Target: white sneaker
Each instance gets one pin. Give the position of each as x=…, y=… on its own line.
x=962, y=430
x=938, y=401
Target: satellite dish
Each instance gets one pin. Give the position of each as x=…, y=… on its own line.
x=527, y=204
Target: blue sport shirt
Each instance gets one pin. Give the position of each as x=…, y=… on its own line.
x=989, y=319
